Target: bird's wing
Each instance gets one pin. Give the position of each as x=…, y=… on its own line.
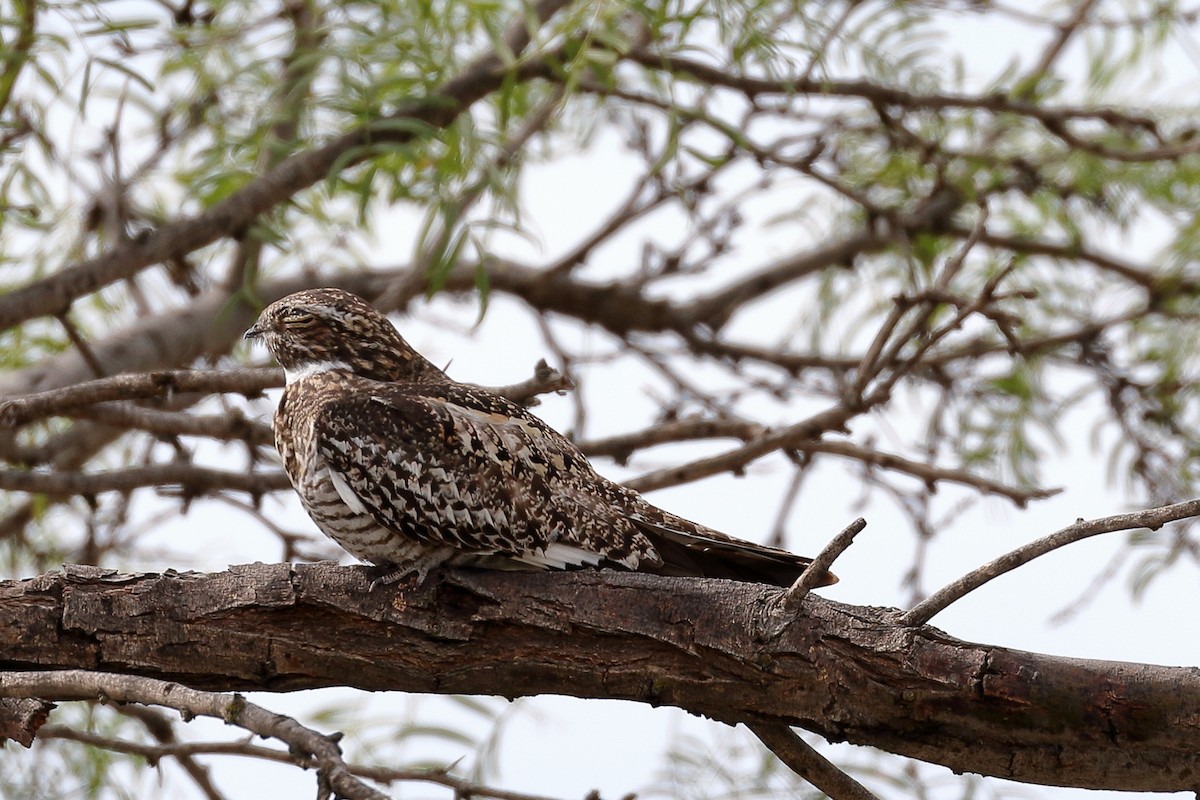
x=689, y=549
x=457, y=466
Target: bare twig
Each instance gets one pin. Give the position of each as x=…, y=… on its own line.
x=545, y=379
x=85, y=349
x=159, y=725
x=808, y=763
x=779, y=529
x=833, y=418
x=815, y=572
x=153, y=753
x=1153, y=519
x=1066, y=29
x=1092, y=590
x=929, y=473
x=621, y=446
x=887, y=358
x=230, y=426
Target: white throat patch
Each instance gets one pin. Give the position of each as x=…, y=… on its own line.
x=312, y=368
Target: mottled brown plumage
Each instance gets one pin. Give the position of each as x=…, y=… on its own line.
x=408, y=469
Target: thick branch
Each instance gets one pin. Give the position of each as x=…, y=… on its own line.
x=718, y=648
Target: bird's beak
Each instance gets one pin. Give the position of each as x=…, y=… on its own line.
x=253, y=332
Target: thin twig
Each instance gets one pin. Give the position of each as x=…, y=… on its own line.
x=1092, y=590
x=579, y=420
x=930, y=474
x=1153, y=519
x=153, y=753
x=816, y=572
x=85, y=350
x=230, y=426
x=808, y=763
x=621, y=446
x=545, y=380
x=888, y=356
x=159, y=725
x=779, y=529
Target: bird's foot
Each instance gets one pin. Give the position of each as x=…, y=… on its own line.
x=405, y=577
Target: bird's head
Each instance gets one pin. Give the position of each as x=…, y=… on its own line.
x=323, y=329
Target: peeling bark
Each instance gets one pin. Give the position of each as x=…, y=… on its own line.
x=722, y=649
x=20, y=719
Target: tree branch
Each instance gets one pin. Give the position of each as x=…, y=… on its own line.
x=545, y=380
x=718, y=648
x=1153, y=519
x=809, y=764
x=153, y=753
x=818, y=569
x=883, y=95
x=193, y=481
x=233, y=709
x=691, y=429
x=931, y=474
x=94, y=399
x=163, y=383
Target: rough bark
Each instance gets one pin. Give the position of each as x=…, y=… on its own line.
x=20, y=718
x=722, y=649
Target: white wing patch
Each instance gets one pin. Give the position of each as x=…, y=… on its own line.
x=346, y=493
x=560, y=556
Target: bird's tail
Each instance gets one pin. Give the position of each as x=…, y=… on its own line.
x=692, y=550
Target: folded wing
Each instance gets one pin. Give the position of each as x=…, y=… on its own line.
x=453, y=465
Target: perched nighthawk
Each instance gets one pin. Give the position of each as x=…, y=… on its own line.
x=408, y=469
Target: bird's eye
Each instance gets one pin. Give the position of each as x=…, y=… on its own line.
x=295, y=316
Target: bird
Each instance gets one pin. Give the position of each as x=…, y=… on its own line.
x=411, y=471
